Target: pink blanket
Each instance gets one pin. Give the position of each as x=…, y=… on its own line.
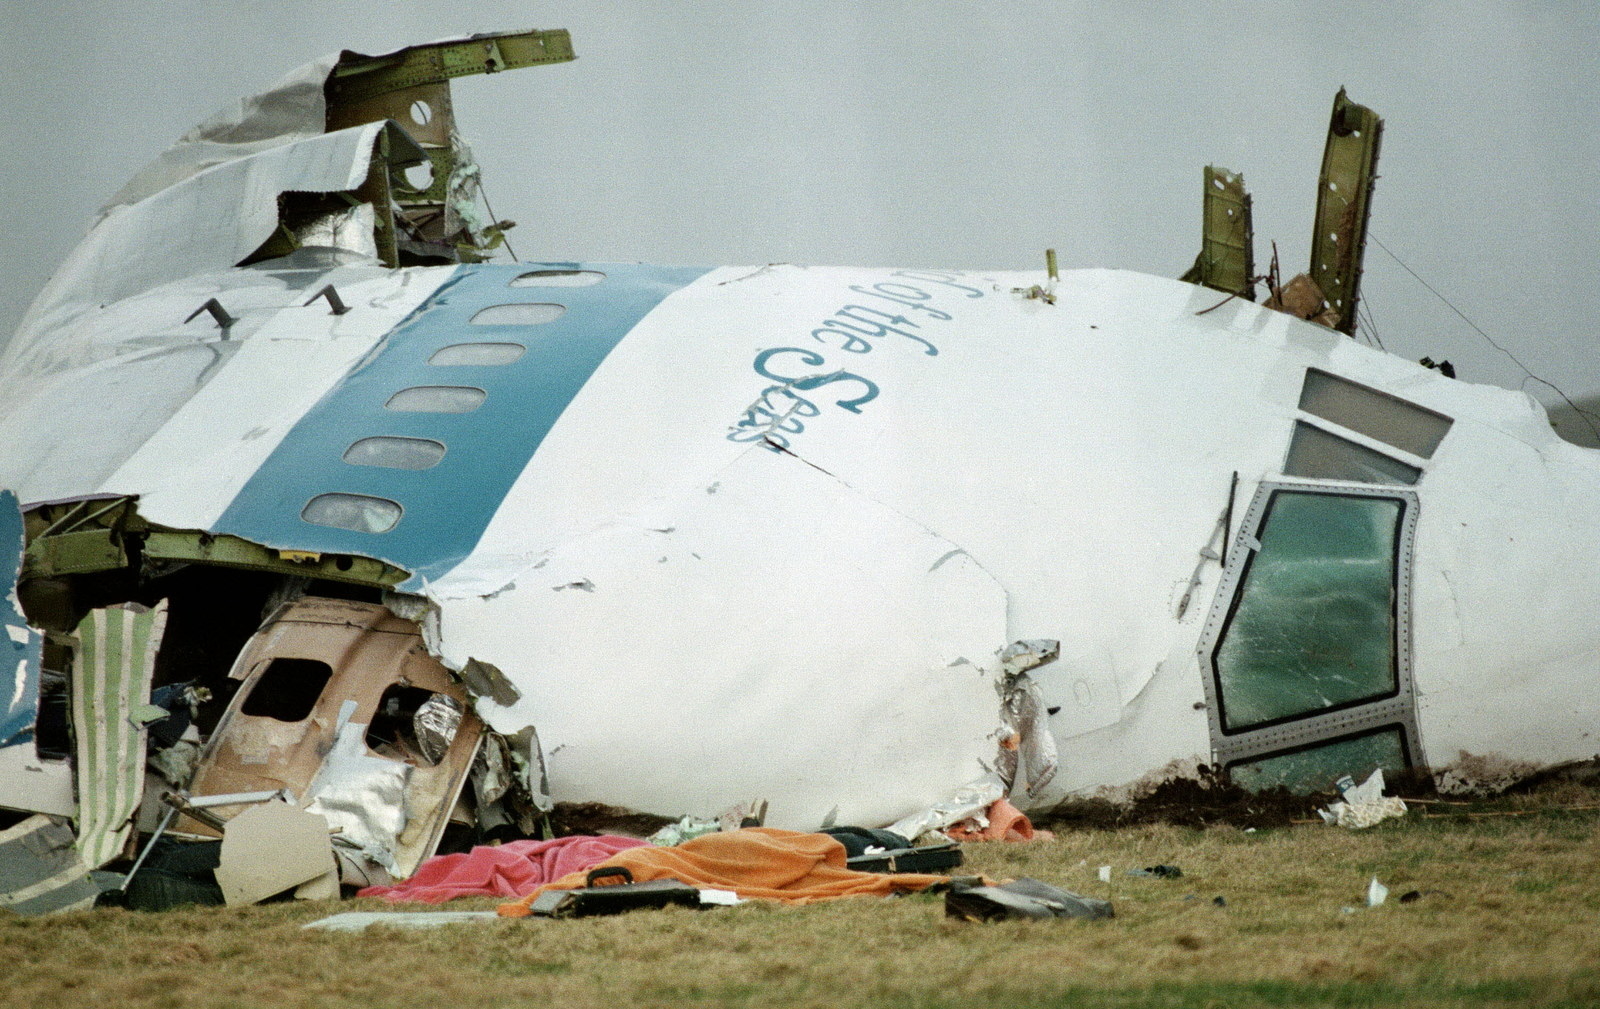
x=510, y=870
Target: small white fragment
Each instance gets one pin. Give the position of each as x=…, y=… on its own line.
x=725, y=898
x=1377, y=893
x=1105, y=874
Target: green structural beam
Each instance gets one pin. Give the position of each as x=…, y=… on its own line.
x=1344, y=203
x=359, y=77
x=1227, y=241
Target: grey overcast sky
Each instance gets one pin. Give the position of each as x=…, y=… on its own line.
x=952, y=134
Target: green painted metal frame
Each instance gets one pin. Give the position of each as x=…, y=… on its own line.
x=359, y=77
x=1227, y=241
x=1344, y=204
x=80, y=538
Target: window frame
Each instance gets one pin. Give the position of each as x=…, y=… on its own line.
x=1326, y=724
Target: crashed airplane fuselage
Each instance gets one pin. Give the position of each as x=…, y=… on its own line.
x=745, y=532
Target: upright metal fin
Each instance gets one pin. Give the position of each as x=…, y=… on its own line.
x=412, y=88
x=1227, y=242
x=1344, y=202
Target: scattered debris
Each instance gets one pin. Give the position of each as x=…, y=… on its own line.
x=1000, y=822
x=358, y=921
x=592, y=899
x=1377, y=893
x=1363, y=805
x=1021, y=898
x=1158, y=871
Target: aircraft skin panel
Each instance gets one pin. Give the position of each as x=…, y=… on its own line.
x=191, y=470
x=443, y=510
x=26, y=780
x=787, y=637
x=209, y=221
x=183, y=414
x=1092, y=514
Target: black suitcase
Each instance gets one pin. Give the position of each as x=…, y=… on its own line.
x=929, y=858
x=614, y=898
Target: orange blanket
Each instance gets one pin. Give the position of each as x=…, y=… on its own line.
x=754, y=862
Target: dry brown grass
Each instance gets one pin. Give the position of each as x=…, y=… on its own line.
x=1508, y=917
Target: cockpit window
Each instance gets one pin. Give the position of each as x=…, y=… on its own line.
x=1313, y=626
x=1393, y=421
x=1320, y=455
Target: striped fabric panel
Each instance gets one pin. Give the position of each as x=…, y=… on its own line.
x=111, y=677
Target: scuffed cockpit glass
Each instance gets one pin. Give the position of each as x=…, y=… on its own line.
x=1314, y=625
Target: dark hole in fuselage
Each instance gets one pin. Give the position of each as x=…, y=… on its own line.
x=288, y=690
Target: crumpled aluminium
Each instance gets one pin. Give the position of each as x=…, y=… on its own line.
x=435, y=724
x=1027, y=744
x=362, y=794
x=970, y=801
x=1034, y=752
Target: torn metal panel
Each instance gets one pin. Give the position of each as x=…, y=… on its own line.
x=412, y=89
x=40, y=869
x=21, y=648
x=1227, y=245
x=112, y=668
x=28, y=780
x=1344, y=203
x=269, y=848
x=328, y=708
x=486, y=680
x=209, y=221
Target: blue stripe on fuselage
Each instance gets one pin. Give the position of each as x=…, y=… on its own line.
x=447, y=507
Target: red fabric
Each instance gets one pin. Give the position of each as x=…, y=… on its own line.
x=1006, y=823
x=509, y=870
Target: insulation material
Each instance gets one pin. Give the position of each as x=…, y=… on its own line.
x=362, y=795
x=435, y=725
x=111, y=680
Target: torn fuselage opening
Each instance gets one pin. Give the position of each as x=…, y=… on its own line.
x=391, y=734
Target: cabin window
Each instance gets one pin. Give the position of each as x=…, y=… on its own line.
x=437, y=399
x=395, y=453
x=530, y=314
x=477, y=354
x=1319, y=455
x=1313, y=623
x=287, y=690
x=1393, y=421
x=356, y=512
x=1317, y=768
x=559, y=278
x=413, y=725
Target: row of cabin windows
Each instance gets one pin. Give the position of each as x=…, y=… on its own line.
x=368, y=514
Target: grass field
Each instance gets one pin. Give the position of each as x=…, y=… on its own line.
x=1509, y=915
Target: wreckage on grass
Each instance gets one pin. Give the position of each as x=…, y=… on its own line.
x=414, y=538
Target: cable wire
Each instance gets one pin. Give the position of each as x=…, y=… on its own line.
x=1588, y=417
